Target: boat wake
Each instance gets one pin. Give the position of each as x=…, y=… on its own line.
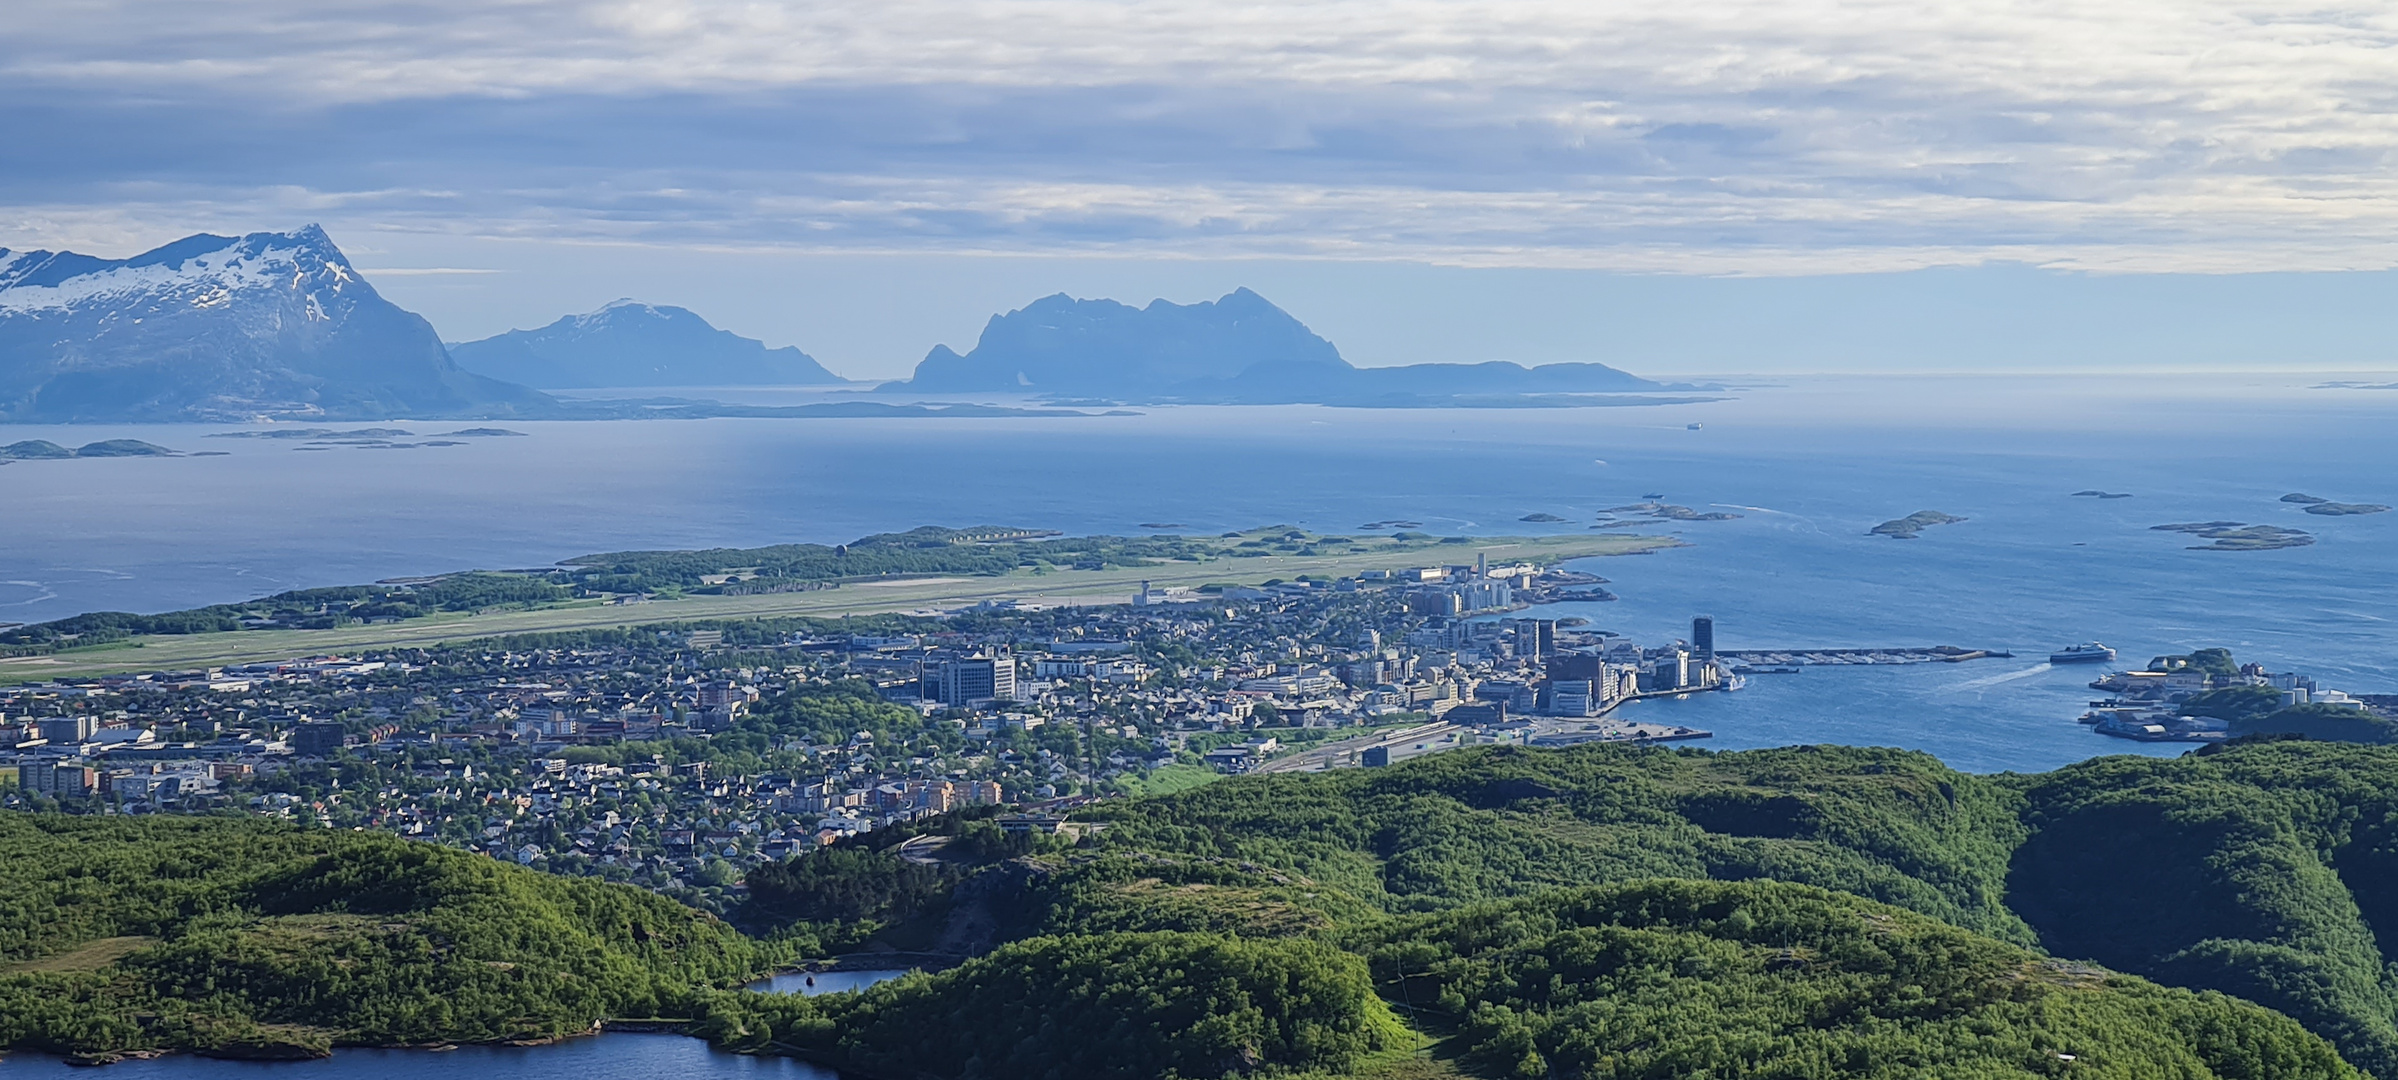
x=34, y=586
x=1993, y=680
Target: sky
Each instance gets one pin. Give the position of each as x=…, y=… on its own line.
x=1703, y=186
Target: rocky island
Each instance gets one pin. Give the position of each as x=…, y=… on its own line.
x=2315, y=504
x=1913, y=525
x=45, y=450
x=1669, y=512
x=2237, y=536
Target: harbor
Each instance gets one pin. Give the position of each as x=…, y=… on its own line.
x=2203, y=698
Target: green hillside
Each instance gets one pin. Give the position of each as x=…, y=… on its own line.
x=239, y=937
x=1482, y=824
x=2268, y=871
x=1603, y=912
x=1091, y=1007
x=1708, y=979
x=1659, y=980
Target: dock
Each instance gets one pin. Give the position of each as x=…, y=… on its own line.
x=1936, y=654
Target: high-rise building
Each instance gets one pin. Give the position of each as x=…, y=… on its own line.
x=67, y=729
x=1576, y=666
x=1535, y=638
x=1437, y=602
x=1702, y=638
x=318, y=738
x=1672, y=671
x=58, y=778
x=977, y=678
x=1485, y=595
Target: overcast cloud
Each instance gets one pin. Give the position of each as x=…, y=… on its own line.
x=1699, y=136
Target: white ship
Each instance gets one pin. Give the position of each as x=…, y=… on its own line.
x=2088, y=652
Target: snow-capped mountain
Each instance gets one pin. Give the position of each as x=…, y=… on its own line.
x=627, y=343
x=215, y=327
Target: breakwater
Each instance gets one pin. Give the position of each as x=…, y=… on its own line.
x=1937, y=654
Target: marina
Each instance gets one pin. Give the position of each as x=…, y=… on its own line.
x=1773, y=661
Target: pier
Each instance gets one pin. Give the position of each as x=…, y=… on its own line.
x=1937, y=654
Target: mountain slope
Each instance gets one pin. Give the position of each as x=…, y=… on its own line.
x=215, y=327
x=633, y=344
x=250, y=938
x=1061, y=344
x=2267, y=871
x=1755, y=979
x=1240, y=349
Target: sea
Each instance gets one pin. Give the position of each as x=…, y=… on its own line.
x=1810, y=465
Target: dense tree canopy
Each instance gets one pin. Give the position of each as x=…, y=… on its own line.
x=124, y=933
x=1603, y=911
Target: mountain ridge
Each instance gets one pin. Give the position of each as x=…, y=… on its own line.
x=220, y=327
x=1238, y=349
x=628, y=343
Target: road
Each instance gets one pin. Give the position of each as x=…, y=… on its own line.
x=1344, y=752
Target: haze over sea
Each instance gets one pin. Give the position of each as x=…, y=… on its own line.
x=1811, y=463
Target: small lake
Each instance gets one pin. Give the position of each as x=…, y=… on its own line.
x=812, y=983
x=618, y=1056
x=622, y=1056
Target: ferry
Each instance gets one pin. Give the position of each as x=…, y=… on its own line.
x=2088, y=652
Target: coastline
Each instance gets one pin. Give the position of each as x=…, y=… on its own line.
x=1056, y=588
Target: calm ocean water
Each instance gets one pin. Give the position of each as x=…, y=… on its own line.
x=1810, y=463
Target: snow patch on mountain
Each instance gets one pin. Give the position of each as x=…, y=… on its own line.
x=212, y=327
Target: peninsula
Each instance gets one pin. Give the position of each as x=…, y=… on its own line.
x=919, y=570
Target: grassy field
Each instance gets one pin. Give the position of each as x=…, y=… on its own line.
x=89, y=956
x=1059, y=587
x=1168, y=780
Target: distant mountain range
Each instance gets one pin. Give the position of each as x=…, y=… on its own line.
x=634, y=344
x=280, y=324
x=218, y=328
x=1240, y=349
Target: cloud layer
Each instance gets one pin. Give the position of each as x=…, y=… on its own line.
x=1713, y=136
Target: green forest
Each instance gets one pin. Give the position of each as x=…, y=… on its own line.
x=301, y=609
x=242, y=938
x=1601, y=911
